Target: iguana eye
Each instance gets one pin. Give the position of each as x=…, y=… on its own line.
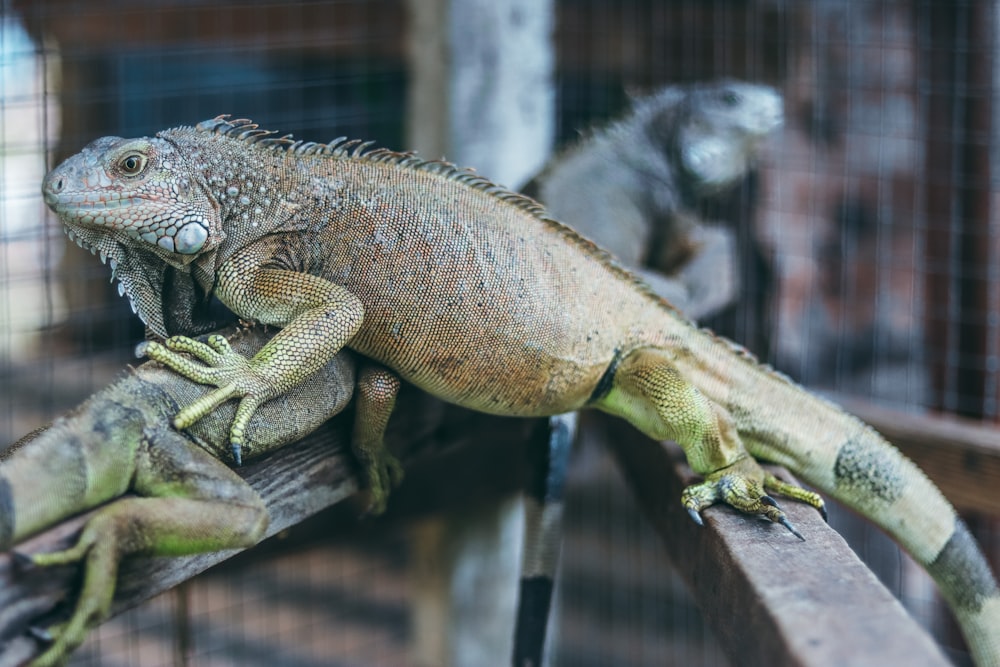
x=132, y=164
x=731, y=98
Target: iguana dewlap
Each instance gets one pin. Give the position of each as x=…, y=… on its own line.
x=473, y=294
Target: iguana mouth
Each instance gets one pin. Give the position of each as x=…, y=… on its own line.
x=76, y=205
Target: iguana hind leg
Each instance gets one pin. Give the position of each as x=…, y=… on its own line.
x=190, y=503
x=375, y=397
x=649, y=391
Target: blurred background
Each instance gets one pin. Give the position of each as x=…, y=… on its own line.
x=868, y=250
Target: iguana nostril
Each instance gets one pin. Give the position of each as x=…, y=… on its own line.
x=53, y=185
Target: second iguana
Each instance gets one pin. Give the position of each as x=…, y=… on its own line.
x=636, y=186
x=476, y=295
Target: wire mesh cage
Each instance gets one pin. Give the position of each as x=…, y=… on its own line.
x=866, y=235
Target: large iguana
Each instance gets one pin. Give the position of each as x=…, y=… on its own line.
x=185, y=500
x=473, y=294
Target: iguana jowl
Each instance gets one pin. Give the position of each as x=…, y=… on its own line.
x=473, y=294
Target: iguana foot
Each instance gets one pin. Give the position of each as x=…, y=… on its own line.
x=233, y=374
x=94, y=604
x=382, y=475
x=744, y=485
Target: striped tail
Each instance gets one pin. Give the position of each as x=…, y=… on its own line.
x=874, y=478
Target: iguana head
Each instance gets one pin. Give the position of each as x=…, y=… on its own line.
x=716, y=128
x=137, y=204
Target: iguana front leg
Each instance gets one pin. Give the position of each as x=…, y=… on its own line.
x=317, y=319
x=649, y=391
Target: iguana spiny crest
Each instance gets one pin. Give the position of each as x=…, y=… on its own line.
x=187, y=193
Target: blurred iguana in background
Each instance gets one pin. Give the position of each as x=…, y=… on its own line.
x=635, y=186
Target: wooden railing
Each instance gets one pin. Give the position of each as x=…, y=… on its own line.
x=769, y=598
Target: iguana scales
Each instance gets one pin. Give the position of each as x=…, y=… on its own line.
x=474, y=294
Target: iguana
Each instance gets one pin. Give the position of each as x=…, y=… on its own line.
x=474, y=294
x=636, y=185
x=185, y=499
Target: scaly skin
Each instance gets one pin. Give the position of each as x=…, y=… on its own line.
x=473, y=294
x=186, y=500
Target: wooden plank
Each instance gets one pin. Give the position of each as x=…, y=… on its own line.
x=961, y=456
x=770, y=598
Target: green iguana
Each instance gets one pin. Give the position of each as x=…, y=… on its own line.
x=474, y=294
x=186, y=499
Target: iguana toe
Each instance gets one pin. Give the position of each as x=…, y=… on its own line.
x=744, y=486
x=232, y=374
x=94, y=604
x=61, y=639
x=382, y=474
x=775, y=485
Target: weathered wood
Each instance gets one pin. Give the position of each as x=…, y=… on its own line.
x=961, y=456
x=770, y=598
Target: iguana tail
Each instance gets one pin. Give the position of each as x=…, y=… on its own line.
x=850, y=461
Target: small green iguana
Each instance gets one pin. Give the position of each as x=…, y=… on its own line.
x=475, y=295
x=186, y=499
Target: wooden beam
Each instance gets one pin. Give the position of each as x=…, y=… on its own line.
x=770, y=598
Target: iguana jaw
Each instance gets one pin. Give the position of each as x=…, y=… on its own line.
x=140, y=281
x=180, y=236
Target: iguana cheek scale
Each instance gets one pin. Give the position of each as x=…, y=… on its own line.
x=474, y=294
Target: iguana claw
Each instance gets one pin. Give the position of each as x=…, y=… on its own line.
x=231, y=372
x=744, y=486
x=788, y=524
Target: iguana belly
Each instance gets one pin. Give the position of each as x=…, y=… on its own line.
x=490, y=372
